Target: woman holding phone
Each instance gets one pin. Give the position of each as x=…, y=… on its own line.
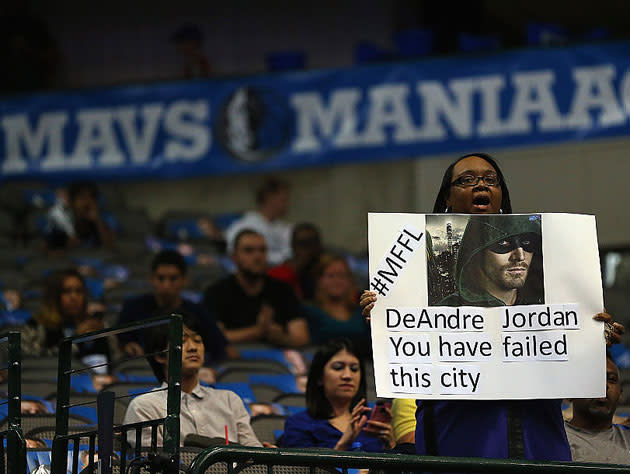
x=336, y=416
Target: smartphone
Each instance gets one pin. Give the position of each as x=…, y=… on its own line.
x=379, y=413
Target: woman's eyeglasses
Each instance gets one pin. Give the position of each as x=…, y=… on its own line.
x=470, y=180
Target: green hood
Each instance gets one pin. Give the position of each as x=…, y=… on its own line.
x=482, y=232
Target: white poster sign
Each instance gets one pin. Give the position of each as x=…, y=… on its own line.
x=486, y=307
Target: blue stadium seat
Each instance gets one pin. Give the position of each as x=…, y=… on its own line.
x=242, y=389
x=469, y=43
x=285, y=382
x=414, y=43
x=366, y=52
x=546, y=34
x=597, y=34
x=223, y=221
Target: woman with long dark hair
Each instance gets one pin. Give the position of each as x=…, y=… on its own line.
x=335, y=415
x=64, y=312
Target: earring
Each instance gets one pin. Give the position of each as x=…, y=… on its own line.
x=447, y=210
x=500, y=211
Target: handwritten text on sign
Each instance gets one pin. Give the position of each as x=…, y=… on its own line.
x=430, y=349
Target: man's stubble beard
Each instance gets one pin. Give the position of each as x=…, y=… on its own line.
x=513, y=283
x=599, y=414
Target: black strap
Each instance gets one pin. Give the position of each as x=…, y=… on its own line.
x=516, y=443
x=430, y=437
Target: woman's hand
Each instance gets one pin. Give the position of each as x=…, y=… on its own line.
x=382, y=430
x=357, y=422
x=612, y=330
x=90, y=325
x=367, y=300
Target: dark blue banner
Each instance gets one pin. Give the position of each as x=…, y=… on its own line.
x=276, y=122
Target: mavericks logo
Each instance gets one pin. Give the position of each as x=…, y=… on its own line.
x=254, y=124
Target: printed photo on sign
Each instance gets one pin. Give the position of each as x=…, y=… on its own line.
x=485, y=261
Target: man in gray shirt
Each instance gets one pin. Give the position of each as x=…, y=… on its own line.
x=204, y=411
x=591, y=434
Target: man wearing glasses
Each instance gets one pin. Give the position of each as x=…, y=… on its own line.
x=499, y=262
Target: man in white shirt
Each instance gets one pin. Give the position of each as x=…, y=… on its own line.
x=204, y=411
x=272, y=200
x=591, y=433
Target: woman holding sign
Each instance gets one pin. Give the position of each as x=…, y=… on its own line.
x=336, y=416
x=522, y=429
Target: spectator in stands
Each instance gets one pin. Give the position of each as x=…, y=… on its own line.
x=480, y=428
x=299, y=270
x=11, y=299
x=188, y=41
x=591, y=433
x=272, y=199
x=64, y=313
x=81, y=223
x=33, y=407
x=204, y=411
x=250, y=305
x=335, y=416
x=404, y=422
x=169, y=276
x=36, y=443
x=335, y=311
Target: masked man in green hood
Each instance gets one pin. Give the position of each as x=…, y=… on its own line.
x=499, y=262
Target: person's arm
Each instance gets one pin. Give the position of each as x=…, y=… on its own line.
x=404, y=420
x=612, y=330
x=357, y=422
x=246, y=435
x=288, y=327
x=105, y=234
x=367, y=300
x=383, y=431
x=295, y=335
x=246, y=334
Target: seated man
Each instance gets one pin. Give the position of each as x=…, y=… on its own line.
x=252, y=306
x=591, y=433
x=81, y=223
x=204, y=411
x=168, y=278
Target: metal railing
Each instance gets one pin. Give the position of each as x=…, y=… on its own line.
x=170, y=423
x=239, y=458
x=15, y=454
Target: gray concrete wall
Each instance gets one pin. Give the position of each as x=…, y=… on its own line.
x=589, y=177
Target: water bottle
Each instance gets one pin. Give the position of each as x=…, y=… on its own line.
x=356, y=446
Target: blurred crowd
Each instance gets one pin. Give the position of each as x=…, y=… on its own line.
x=253, y=277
